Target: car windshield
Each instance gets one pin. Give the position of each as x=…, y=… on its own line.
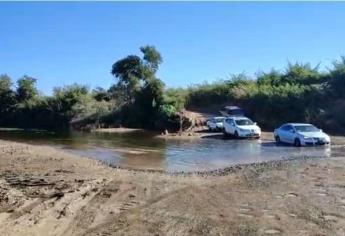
x=306, y=128
x=244, y=122
x=219, y=120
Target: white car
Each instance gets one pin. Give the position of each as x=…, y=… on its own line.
x=300, y=134
x=215, y=123
x=241, y=127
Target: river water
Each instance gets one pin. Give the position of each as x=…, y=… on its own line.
x=142, y=150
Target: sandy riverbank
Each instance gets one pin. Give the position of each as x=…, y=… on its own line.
x=45, y=191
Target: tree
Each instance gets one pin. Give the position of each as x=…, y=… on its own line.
x=152, y=58
x=100, y=94
x=7, y=97
x=133, y=72
x=129, y=72
x=272, y=78
x=301, y=73
x=66, y=97
x=337, y=77
x=26, y=88
x=137, y=77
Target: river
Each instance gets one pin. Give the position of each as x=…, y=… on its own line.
x=142, y=150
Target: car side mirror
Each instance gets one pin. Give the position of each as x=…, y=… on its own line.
x=255, y=123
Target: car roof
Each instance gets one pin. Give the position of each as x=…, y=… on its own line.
x=297, y=124
x=238, y=117
x=232, y=107
x=217, y=117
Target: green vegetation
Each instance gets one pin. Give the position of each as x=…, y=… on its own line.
x=139, y=99
x=299, y=94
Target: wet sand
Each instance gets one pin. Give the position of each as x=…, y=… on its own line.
x=45, y=191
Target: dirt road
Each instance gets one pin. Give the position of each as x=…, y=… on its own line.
x=44, y=191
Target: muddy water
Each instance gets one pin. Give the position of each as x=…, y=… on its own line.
x=142, y=150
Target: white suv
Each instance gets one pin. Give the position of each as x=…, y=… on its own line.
x=241, y=127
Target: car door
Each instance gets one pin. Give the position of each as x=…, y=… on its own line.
x=284, y=133
x=290, y=134
x=227, y=125
x=232, y=126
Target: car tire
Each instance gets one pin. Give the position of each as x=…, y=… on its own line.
x=236, y=134
x=225, y=134
x=297, y=142
x=277, y=138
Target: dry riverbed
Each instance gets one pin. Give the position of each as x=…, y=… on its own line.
x=45, y=191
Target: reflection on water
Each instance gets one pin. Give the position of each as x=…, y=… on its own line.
x=143, y=150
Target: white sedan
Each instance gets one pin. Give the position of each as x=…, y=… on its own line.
x=215, y=123
x=300, y=134
x=241, y=127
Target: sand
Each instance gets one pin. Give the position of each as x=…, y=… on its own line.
x=45, y=191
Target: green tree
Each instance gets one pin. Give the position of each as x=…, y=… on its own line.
x=137, y=77
x=273, y=78
x=26, y=89
x=7, y=98
x=100, y=94
x=337, y=78
x=129, y=73
x=66, y=97
x=152, y=58
x=301, y=73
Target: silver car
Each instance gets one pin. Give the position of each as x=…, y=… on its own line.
x=215, y=123
x=301, y=134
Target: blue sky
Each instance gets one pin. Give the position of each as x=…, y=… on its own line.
x=63, y=43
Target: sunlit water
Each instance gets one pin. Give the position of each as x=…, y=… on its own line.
x=141, y=150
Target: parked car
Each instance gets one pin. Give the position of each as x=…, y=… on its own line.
x=215, y=123
x=232, y=111
x=241, y=127
x=300, y=134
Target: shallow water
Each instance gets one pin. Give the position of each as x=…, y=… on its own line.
x=141, y=150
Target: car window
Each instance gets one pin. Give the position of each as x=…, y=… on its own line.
x=306, y=128
x=219, y=120
x=244, y=122
x=289, y=128
x=229, y=121
x=286, y=127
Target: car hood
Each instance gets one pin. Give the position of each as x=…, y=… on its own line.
x=248, y=127
x=313, y=134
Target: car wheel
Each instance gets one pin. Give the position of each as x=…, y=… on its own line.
x=277, y=138
x=225, y=133
x=297, y=142
x=236, y=134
